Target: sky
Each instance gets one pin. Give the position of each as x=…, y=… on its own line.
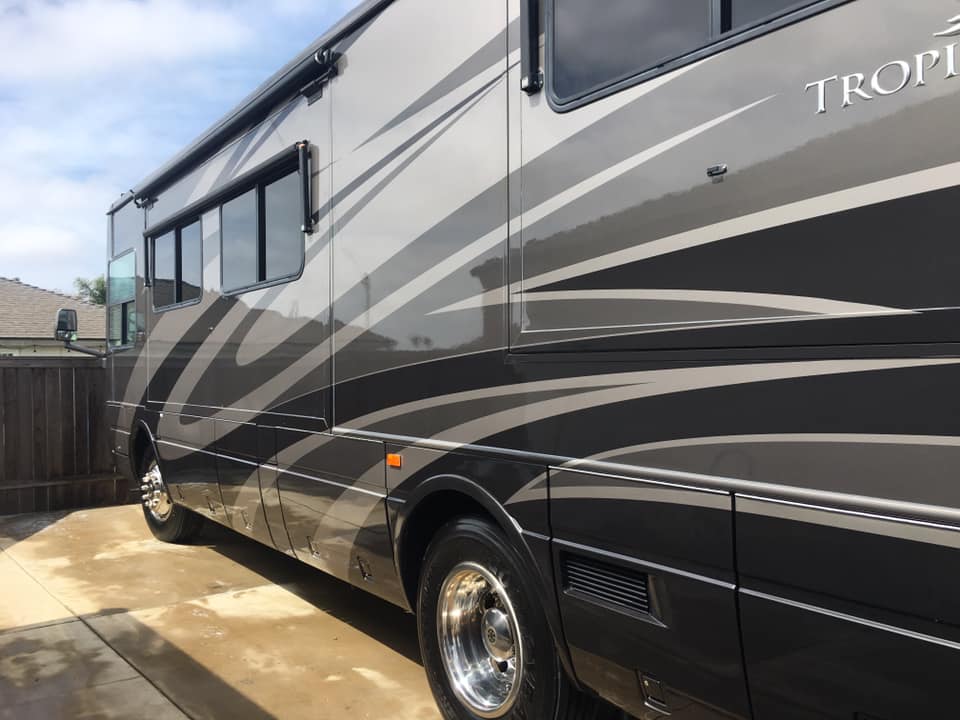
x=96, y=94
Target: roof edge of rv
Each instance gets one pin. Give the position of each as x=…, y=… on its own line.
x=257, y=104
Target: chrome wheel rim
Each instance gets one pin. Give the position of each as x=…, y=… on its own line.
x=480, y=641
x=156, y=497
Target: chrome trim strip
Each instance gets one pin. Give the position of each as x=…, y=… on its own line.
x=856, y=521
x=275, y=468
x=536, y=535
x=873, y=624
x=572, y=468
x=676, y=477
x=160, y=441
x=287, y=471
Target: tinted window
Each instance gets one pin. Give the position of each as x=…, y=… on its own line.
x=597, y=43
x=165, y=270
x=746, y=12
x=121, y=312
x=238, y=228
x=191, y=262
x=284, y=239
x=121, y=324
x=127, y=227
x=115, y=325
x=120, y=278
x=130, y=321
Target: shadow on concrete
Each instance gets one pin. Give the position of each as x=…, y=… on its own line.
x=165, y=666
x=378, y=619
x=16, y=528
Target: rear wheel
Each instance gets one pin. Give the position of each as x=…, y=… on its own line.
x=486, y=646
x=168, y=522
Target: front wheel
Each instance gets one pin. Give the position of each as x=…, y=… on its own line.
x=486, y=646
x=167, y=521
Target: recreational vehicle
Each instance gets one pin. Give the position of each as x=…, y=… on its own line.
x=615, y=340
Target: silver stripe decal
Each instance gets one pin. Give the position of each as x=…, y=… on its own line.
x=637, y=562
x=533, y=490
x=274, y=468
x=696, y=481
x=588, y=334
x=574, y=384
x=886, y=526
x=796, y=303
x=665, y=382
x=565, y=125
x=895, y=188
x=287, y=471
x=400, y=297
x=799, y=438
x=873, y=624
x=702, y=324
x=638, y=493
x=303, y=366
x=636, y=385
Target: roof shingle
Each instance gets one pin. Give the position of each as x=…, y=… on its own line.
x=28, y=312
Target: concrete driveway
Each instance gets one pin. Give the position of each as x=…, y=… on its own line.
x=99, y=620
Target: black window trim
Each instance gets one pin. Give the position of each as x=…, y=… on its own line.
x=130, y=342
x=265, y=178
x=294, y=158
x=126, y=342
x=717, y=44
x=178, y=266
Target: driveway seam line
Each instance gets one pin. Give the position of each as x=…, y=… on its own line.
x=137, y=669
x=102, y=639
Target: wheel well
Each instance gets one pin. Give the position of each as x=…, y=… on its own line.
x=418, y=530
x=141, y=443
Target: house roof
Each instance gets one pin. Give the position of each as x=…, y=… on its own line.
x=30, y=313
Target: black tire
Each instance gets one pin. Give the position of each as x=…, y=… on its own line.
x=546, y=692
x=181, y=525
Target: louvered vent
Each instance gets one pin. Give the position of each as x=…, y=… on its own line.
x=611, y=584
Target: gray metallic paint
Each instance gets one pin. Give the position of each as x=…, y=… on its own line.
x=563, y=318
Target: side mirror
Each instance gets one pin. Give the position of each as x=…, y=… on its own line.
x=66, y=325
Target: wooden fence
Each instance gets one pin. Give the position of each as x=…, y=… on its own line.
x=54, y=443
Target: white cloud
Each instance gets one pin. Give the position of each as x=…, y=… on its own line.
x=95, y=94
x=76, y=39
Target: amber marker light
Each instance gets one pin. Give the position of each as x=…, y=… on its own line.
x=394, y=460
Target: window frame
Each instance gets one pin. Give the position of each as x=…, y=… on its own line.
x=178, y=265
x=125, y=342
x=259, y=185
x=719, y=42
x=296, y=158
